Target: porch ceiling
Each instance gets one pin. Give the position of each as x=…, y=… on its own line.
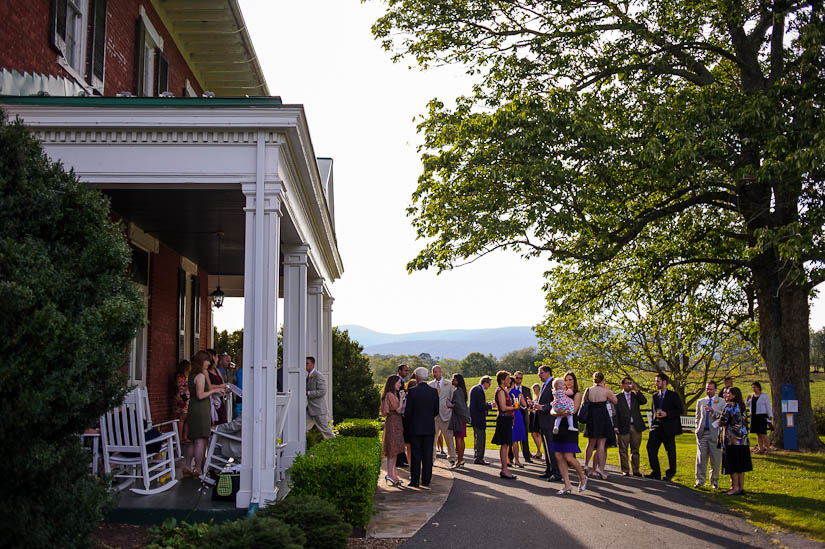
x=188, y=220
x=212, y=36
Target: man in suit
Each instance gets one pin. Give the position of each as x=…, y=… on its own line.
x=478, y=417
x=317, y=400
x=667, y=424
x=546, y=420
x=630, y=424
x=422, y=409
x=444, y=390
x=708, y=410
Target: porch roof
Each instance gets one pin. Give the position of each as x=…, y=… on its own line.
x=146, y=102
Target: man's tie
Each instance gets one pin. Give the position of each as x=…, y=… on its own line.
x=627, y=395
x=707, y=414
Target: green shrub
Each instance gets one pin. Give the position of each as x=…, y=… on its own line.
x=819, y=419
x=342, y=470
x=320, y=520
x=177, y=535
x=314, y=436
x=355, y=427
x=68, y=316
x=254, y=532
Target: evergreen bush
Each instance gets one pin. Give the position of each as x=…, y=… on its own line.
x=358, y=427
x=354, y=393
x=341, y=470
x=319, y=519
x=256, y=531
x=67, y=316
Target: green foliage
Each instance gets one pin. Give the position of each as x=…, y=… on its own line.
x=254, y=532
x=355, y=427
x=68, y=315
x=525, y=360
x=177, y=535
x=632, y=143
x=224, y=342
x=314, y=436
x=818, y=349
x=354, y=393
x=477, y=364
x=319, y=519
x=341, y=470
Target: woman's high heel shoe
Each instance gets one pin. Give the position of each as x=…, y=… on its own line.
x=565, y=491
x=583, y=484
x=392, y=481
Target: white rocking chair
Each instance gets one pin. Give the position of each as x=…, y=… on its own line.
x=217, y=462
x=158, y=426
x=126, y=452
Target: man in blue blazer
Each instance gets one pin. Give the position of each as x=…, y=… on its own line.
x=421, y=409
x=667, y=423
x=478, y=417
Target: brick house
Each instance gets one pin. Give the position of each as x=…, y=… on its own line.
x=162, y=105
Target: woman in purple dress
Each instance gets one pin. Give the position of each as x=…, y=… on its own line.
x=519, y=432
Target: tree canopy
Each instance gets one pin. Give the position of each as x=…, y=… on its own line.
x=629, y=139
x=354, y=394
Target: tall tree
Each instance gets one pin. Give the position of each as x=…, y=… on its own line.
x=68, y=313
x=354, y=394
x=476, y=364
x=636, y=135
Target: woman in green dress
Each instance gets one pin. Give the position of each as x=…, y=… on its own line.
x=199, y=418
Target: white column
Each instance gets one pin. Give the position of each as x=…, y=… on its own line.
x=260, y=360
x=327, y=333
x=295, y=324
x=315, y=337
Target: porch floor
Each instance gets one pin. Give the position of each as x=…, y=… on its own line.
x=189, y=500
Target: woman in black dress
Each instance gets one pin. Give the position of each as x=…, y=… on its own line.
x=504, y=422
x=736, y=455
x=565, y=444
x=599, y=426
x=759, y=406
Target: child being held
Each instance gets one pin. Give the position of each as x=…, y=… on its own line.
x=563, y=403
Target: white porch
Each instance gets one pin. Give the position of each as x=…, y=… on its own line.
x=184, y=170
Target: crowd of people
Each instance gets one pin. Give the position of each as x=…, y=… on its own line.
x=419, y=412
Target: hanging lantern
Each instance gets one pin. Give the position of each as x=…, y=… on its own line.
x=217, y=298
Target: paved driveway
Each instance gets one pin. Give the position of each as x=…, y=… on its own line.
x=484, y=510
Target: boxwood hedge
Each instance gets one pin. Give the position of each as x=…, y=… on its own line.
x=342, y=470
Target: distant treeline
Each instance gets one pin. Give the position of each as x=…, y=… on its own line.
x=473, y=365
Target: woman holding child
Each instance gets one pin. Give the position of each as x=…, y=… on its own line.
x=565, y=443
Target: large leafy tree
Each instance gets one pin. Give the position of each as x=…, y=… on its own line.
x=635, y=135
x=354, y=394
x=67, y=316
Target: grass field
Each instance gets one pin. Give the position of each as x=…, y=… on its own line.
x=785, y=491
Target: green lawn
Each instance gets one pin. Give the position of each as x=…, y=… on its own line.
x=785, y=489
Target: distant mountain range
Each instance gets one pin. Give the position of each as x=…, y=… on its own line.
x=444, y=343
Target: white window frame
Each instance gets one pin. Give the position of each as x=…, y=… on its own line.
x=152, y=42
x=138, y=348
x=79, y=25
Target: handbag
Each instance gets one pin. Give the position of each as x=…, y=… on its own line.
x=226, y=486
x=584, y=409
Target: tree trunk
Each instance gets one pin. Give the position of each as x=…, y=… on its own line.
x=785, y=347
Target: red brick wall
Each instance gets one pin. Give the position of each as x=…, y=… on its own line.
x=162, y=338
x=25, y=44
x=206, y=307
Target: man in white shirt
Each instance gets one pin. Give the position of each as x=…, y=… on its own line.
x=708, y=410
x=442, y=420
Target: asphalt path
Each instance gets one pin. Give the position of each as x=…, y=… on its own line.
x=484, y=510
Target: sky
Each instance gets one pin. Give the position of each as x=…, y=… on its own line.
x=361, y=110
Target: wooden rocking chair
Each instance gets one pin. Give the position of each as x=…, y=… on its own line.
x=159, y=426
x=128, y=455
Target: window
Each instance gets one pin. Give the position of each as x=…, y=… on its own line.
x=195, y=317
x=70, y=20
x=181, y=324
x=139, y=273
x=151, y=66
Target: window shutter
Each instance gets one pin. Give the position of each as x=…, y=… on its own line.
x=181, y=313
x=58, y=25
x=162, y=75
x=97, y=53
x=140, y=43
x=196, y=314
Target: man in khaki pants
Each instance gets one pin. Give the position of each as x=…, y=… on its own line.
x=442, y=420
x=317, y=400
x=630, y=424
x=708, y=410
